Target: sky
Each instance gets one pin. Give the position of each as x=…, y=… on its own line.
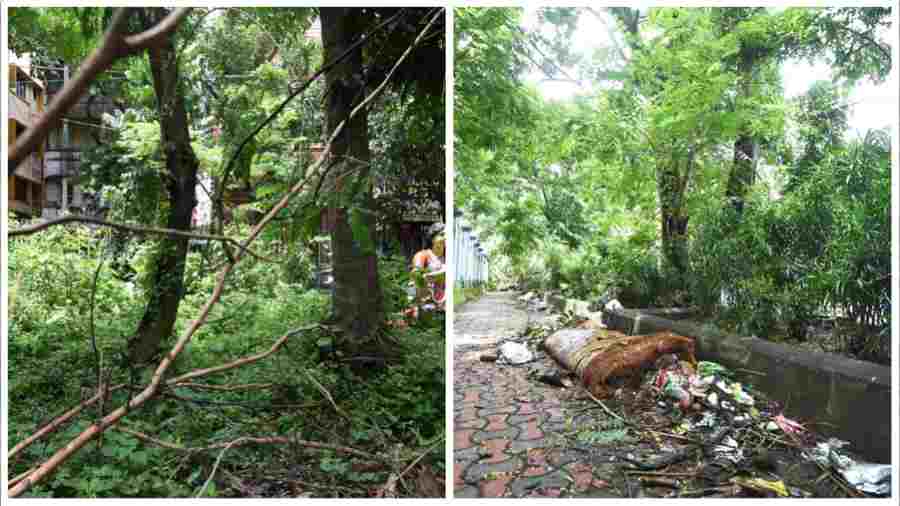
x=874, y=105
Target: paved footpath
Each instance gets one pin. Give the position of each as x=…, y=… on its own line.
x=508, y=428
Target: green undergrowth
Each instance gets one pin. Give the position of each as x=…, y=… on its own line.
x=462, y=295
x=395, y=413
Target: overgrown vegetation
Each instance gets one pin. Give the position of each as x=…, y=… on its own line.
x=277, y=391
x=53, y=364
x=678, y=172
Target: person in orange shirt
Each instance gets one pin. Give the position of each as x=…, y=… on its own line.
x=428, y=272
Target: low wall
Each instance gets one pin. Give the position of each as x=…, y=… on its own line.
x=854, y=397
x=561, y=304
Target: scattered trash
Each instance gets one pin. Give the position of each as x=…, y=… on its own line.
x=705, y=368
x=740, y=396
x=614, y=305
x=527, y=297
x=729, y=450
x=762, y=486
x=516, y=353
x=737, y=429
x=864, y=476
x=555, y=379
x=789, y=426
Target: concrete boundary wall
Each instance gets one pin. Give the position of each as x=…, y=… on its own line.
x=854, y=397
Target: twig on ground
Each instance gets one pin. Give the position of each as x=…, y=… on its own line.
x=327, y=395
x=414, y=462
x=216, y=466
x=197, y=373
x=225, y=388
x=659, y=473
x=248, y=440
x=728, y=490
x=609, y=411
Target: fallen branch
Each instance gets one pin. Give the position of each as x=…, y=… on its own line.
x=248, y=440
x=21, y=477
x=416, y=461
x=226, y=388
x=216, y=466
x=136, y=229
x=197, y=373
x=58, y=422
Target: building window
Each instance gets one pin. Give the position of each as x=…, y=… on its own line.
x=55, y=138
x=21, y=89
x=70, y=194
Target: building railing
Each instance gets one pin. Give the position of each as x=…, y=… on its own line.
x=470, y=261
x=90, y=107
x=61, y=163
x=20, y=110
x=31, y=168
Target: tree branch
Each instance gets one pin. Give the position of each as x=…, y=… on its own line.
x=247, y=440
x=365, y=38
x=58, y=422
x=79, y=218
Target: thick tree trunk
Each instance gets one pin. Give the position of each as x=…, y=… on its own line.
x=181, y=181
x=357, y=298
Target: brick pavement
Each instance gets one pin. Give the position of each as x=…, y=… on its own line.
x=508, y=428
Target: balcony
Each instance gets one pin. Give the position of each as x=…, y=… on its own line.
x=20, y=207
x=20, y=110
x=90, y=108
x=61, y=162
x=31, y=168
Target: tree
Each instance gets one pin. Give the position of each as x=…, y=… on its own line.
x=180, y=183
x=357, y=297
x=350, y=216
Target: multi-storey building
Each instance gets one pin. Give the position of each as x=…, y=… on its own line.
x=27, y=99
x=81, y=127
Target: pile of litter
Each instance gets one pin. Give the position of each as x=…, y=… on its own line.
x=739, y=442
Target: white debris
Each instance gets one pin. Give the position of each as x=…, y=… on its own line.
x=516, y=353
x=614, y=305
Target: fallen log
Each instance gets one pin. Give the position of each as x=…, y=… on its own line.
x=596, y=356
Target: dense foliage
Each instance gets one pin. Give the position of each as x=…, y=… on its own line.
x=58, y=321
x=79, y=292
x=679, y=173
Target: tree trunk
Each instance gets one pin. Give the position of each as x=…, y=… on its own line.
x=357, y=298
x=743, y=170
x=181, y=181
x=670, y=187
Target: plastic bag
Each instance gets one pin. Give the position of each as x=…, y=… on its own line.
x=864, y=476
x=516, y=353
